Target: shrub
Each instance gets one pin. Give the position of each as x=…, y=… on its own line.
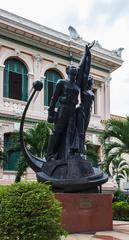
x=120, y=210
x=29, y=211
x=119, y=196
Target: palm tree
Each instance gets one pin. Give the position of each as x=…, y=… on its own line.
x=115, y=141
x=36, y=139
x=119, y=169
x=90, y=151
x=126, y=173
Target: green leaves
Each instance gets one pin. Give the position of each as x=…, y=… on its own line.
x=120, y=206
x=91, y=152
x=115, y=141
x=121, y=210
x=28, y=210
x=119, y=196
x=36, y=139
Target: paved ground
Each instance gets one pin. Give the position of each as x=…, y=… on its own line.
x=120, y=232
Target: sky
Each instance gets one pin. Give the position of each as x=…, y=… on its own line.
x=104, y=20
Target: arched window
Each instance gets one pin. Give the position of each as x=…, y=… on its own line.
x=11, y=152
x=51, y=77
x=15, y=80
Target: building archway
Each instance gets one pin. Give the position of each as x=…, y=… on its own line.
x=15, y=85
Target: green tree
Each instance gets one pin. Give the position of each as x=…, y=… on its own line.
x=115, y=140
x=127, y=174
x=119, y=168
x=36, y=139
x=91, y=152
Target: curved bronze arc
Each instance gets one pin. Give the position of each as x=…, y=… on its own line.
x=34, y=162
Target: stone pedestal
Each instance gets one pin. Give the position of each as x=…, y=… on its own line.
x=86, y=213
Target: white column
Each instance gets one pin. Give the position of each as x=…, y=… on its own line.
x=1, y=83
x=101, y=100
x=107, y=97
x=38, y=103
x=30, y=83
x=98, y=100
x=37, y=59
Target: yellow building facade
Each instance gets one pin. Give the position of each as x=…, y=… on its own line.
x=30, y=51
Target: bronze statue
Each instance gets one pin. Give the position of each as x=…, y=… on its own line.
x=66, y=166
x=70, y=122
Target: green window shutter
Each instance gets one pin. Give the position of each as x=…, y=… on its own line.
x=11, y=163
x=56, y=77
x=6, y=83
x=46, y=92
x=24, y=87
x=11, y=65
x=52, y=77
x=18, y=68
x=11, y=157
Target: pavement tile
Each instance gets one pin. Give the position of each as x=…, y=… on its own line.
x=120, y=232
x=115, y=222
x=123, y=228
x=105, y=237
x=111, y=235
x=79, y=237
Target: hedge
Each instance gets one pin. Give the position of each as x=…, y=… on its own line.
x=29, y=211
x=121, y=210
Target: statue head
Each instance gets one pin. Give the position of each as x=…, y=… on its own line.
x=71, y=71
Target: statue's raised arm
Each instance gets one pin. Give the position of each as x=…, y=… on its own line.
x=84, y=67
x=85, y=83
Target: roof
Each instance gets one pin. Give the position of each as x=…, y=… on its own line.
x=16, y=27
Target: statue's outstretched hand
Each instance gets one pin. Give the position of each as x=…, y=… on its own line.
x=89, y=46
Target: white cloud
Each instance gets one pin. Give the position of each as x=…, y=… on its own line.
x=102, y=20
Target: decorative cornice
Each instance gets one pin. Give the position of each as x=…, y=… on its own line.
x=68, y=57
x=14, y=118
x=94, y=130
x=52, y=41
